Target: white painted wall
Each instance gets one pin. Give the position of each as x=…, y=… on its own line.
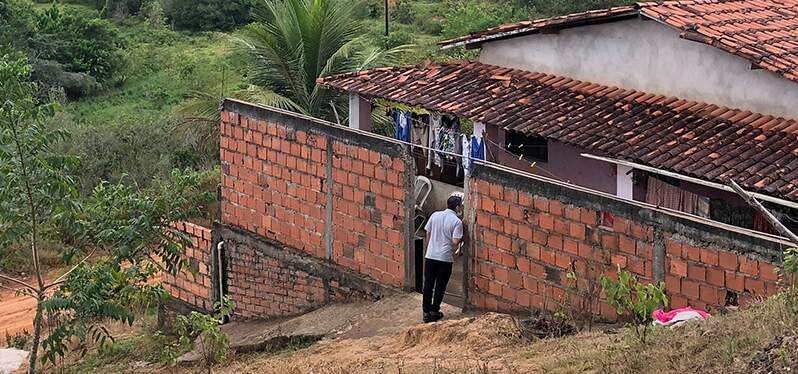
x=648, y=56
x=359, y=113
x=624, y=186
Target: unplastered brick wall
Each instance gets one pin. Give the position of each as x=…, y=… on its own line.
x=192, y=284
x=265, y=280
x=317, y=188
x=530, y=234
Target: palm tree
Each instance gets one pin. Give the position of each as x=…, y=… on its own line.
x=295, y=42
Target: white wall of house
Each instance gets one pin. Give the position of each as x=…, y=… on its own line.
x=648, y=56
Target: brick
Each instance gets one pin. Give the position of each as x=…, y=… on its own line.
x=716, y=277
x=678, y=267
x=735, y=281
x=546, y=222
x=626, y=244
x=587, y=216
x=610, y=241
x=577, y=230
x=768, y=272
x=709, y=257
x=690, y=289
x=692, y=253
x=672, y=284
x=755, y=286
x=727, y=260
x=749, y=266
x=696, y=272
x=570, y=246
x=619, y=260
x=561, y=226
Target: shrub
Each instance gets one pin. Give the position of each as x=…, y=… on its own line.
x=464, y=16
x=200, y=15
x=153, y=11
x=201, y=332
x=51, y=75
x=633, y=298
x=403, y=12
x=83, y=44
x=396, y=39
x=17, y=25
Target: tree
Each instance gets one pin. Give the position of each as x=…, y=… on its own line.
x=295, y=42
x=39, y=201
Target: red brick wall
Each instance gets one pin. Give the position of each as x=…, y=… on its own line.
x=196, y=290
x=268, y=285
x=700, y=277
x=277, y=183
x=527, y=241
x=368, y=212
x=272, y=182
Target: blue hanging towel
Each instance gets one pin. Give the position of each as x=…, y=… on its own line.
x=404, y=122
x=477, y=148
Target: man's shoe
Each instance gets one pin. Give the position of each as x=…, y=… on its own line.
x=435, y=316
x=427, y=317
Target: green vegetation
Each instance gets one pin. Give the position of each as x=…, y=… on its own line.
x=634, y=299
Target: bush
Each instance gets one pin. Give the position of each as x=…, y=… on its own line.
x=51, y=75
x=395, y=39
x=17, y=25
x=463, y=17
x=403, y=12
x=83, y=44
x=136, y=151
x=631, y=297
x=200, y=15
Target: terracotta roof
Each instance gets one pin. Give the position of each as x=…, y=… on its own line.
x=763, y=31
x=692, y=138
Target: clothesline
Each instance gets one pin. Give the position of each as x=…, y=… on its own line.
x=534, y=164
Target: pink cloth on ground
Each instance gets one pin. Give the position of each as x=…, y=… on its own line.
x=665, y=317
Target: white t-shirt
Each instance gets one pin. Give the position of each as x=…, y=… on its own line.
x=442, y=227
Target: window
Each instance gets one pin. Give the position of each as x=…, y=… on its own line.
x=535, y=148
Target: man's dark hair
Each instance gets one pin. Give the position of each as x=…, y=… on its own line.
x=453, y=202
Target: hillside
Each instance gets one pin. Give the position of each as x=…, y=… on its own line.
x=761, y=339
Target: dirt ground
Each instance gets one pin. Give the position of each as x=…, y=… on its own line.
x=16, y=313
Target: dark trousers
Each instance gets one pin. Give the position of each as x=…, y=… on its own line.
x=436, y=276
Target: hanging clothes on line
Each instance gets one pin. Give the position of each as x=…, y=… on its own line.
x=435, y=123
x=666, y=195
x=466, y=159
x=420, y=131
x=404, y=123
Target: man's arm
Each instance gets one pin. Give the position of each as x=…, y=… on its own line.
x=457, y=237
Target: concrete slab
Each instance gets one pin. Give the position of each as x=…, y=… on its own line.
x=390, y=315
x=11, y=359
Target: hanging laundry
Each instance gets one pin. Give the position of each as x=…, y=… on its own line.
x=466, y=141
x=420, y=131
x=404, y=121
x=477, y=148
x=479, y=129
x=435, y=123
x=458, y=149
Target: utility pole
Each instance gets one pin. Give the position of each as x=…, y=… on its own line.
x=752, y=201
x=386, y=17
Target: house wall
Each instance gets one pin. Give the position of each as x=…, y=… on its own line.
x=565, y=163
x=530, y=233
x=648, y=56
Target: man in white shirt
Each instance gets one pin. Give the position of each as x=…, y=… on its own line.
x=445, y=231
